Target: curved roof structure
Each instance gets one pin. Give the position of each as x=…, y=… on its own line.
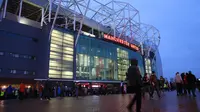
x=150, y=37
x=121, y=19
x=115, y=18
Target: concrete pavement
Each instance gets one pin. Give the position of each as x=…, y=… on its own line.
x=110, y=103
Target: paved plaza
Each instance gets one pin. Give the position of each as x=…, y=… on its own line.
x=110, y=103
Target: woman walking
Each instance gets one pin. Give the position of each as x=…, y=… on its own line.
x=179, y=82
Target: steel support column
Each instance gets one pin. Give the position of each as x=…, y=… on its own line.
x=142, y=49
x=54, y=21
x=42, y=18
x=50, y=9
x=20, y=9
x=74, y=22
x=66, y=24
x=5, y=8
x=93, y=31
x=81, y=24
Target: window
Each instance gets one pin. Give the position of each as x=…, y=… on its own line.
x=1, y=53
x=15, y=55
x=22, y=72
x=94, y=68
x=148, y=66
x=123, y=63
x=12, y=71
x=25, y=72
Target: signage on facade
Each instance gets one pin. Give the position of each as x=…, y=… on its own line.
x=120, y=41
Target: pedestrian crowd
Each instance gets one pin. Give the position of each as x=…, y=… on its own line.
x=43, y=90
x=47, y=90
x=186, y=83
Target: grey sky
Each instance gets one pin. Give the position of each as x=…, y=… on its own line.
x=179, y=25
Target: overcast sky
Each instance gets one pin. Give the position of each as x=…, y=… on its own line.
x=179, y=25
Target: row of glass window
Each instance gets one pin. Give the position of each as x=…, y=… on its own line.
x=95, y=47
x=93, y=61
x=95, y=73
x=17, y=55
x=17, y=71
x=122, y=53
x=95, y=68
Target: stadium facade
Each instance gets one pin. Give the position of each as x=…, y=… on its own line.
x=68, y=48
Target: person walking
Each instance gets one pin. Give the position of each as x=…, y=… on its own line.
x=47, y=90
x=77, y=91
x=21, y=91
x=134, y=80
x=146, y=84
x=41, y=91
x=184, y=78
x=9, y=92
x=178, y=81
x=191, y=79
x=162, y=83
x=154, y=85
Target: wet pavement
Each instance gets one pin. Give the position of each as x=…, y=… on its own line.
x=111, y=103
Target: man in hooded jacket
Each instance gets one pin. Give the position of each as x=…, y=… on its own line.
x=134, y=80
x=191, y=80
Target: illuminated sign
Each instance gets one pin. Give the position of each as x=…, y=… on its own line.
x=120, y=41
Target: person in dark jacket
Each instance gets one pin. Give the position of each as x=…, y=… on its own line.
x=9, y=92
x=134, y=80
x=191, y=80
x=162, y=82
x=47, y=90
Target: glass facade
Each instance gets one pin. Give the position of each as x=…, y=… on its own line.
x=100, y=60
x=61, y=55
x=122, y=63
x=148, y=66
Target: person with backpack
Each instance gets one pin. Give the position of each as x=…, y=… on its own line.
x=135, y=82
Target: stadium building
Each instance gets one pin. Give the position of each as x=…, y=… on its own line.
x=73, y=41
